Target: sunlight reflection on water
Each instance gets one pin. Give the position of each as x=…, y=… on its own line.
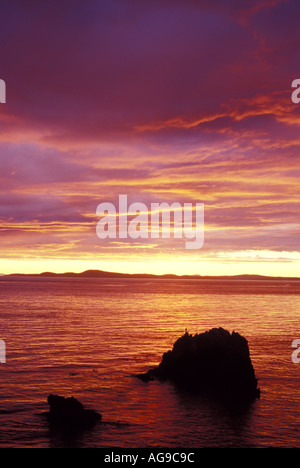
x=88, y=337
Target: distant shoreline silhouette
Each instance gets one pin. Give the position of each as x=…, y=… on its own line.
x=110, y=274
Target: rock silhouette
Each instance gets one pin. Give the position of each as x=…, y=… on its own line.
x=69, y=413
x=215, y=360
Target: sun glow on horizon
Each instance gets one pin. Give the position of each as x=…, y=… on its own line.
x=285, y=264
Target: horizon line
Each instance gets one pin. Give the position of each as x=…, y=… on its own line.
x=94, y=273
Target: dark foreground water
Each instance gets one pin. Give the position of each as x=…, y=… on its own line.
x=88, y=337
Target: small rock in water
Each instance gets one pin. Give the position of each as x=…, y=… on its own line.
x=215, y=360
x=69, y=413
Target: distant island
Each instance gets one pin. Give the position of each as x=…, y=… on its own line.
x=109, y=274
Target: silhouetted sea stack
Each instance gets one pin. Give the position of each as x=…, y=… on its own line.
x=216, y=361
x=69, y=413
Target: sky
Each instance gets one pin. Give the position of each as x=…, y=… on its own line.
x=185, y=101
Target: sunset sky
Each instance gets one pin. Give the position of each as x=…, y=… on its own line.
x=183, y=101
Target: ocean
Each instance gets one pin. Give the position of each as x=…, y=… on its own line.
x=88, y=338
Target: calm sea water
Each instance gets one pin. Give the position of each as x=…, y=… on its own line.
x=88, y=337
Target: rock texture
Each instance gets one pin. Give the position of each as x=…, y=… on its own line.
x=69, y=413
x=216, y=361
